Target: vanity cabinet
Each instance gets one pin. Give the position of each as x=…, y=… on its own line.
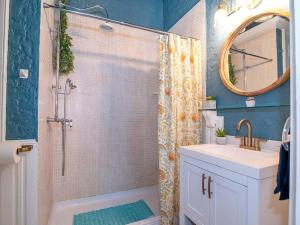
x=212, y=199
x=217, y=191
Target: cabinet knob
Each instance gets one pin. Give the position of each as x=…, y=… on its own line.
x=203, y=184
x=209, y=187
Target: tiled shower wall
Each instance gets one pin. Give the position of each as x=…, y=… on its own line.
x=45, y=187
x=112, y=145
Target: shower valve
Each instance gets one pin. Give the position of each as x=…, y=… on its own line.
x=70, y=123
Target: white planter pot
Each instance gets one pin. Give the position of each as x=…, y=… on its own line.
x=210, y=104
x=250, y=103
x=221, y=140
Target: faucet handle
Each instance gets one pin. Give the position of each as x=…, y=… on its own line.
x=257, y=142
x=243, y=140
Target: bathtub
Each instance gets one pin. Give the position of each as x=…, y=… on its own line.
x=62, y=212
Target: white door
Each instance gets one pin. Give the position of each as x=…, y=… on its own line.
x=2, y=23
x=3, y=40
x=294, y=218
x=228, y=201
x=194, y=190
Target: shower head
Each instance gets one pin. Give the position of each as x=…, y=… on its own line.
x=105, y=27
x=96, y=9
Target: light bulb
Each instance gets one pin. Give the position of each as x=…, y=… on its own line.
x=220, y=16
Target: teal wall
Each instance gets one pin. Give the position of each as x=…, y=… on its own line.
x=174, y=10
x=23, y=53
x=267, y=122
x=148, y=13
x=157, y=14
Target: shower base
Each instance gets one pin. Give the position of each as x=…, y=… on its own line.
x=63, y=212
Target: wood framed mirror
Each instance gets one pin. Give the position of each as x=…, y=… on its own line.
x=255, y=58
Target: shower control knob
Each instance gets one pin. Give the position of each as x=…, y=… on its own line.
x=70, y=123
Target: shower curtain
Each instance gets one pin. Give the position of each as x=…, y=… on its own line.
x=180, y=93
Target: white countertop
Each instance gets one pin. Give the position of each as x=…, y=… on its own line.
x=258, y=165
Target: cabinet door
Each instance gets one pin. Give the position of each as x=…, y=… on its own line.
x=228, y=201
x=194, y=191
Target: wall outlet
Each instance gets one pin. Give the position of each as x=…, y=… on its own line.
x=23, y=73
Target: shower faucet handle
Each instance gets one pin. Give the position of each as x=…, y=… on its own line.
x=70, y=123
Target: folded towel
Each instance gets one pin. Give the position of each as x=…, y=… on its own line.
x=283, y=173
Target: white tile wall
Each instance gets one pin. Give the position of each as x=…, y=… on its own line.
x=113, y=144
x=45, y=184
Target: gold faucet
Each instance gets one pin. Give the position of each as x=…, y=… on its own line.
x=248, y=142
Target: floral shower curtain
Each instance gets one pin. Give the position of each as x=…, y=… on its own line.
x=180, y=93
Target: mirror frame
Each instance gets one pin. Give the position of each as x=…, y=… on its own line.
x=223, y=61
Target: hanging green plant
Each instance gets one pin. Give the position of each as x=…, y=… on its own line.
x=232, y=76
x=66, y=60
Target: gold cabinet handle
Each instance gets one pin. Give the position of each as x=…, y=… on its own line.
x=209, y=187
x=203, y=184
x=24, y=148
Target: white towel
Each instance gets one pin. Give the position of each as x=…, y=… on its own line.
x=210, y=118
x=212, y=123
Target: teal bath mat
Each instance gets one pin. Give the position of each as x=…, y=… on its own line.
x=117, y=215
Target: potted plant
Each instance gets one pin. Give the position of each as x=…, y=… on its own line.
x=232, y=76
x=210, y=102
x=221, y=137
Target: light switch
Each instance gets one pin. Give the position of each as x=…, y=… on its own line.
x=24, y=73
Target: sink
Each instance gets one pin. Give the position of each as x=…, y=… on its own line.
x=258, y=165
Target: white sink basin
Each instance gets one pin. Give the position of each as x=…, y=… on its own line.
x=258, y=165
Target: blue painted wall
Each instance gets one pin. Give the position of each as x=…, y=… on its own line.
x=174, y=10
x=148, y=13
x=23, y=53
x=267, y=122
x=157, y=14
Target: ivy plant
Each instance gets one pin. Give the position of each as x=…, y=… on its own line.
x=232, y=76
x=66, y=60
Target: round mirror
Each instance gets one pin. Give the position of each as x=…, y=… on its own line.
x=256, y=57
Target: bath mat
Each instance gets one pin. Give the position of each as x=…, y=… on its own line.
x=117, y=215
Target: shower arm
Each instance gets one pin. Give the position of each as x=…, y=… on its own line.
x=62, y=5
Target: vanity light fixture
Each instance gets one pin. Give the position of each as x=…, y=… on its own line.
x=222, y=11
x=248, y=4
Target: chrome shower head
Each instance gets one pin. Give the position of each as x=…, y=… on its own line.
x=106, y=28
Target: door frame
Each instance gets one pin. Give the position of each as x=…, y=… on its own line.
x=294, y=218
x=4, y=54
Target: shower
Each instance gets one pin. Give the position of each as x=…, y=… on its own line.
x=65, y=122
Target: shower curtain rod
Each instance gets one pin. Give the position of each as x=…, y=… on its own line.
x=46, y=5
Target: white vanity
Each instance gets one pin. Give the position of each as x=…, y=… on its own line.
x=227, y=185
